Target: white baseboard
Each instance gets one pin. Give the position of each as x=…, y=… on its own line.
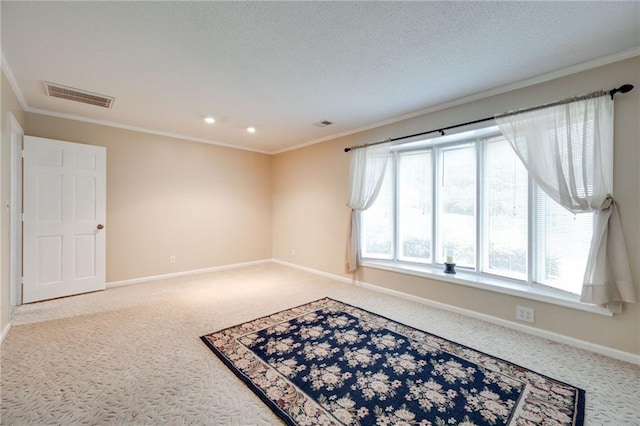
x=599, y=349
x=315, y=271
x=4, y=332
x=184, y=273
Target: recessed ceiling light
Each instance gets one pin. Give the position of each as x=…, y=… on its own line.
x=251, y=129
x=209, y=120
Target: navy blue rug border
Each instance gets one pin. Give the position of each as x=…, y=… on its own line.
x=248, y=382
x=580, y=402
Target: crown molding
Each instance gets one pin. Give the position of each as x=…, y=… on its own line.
x=4, y=64
x=139, y=129
x=616, y=57
x=26, y=108
x=584, y=66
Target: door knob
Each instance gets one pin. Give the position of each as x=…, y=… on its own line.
x=100, y=226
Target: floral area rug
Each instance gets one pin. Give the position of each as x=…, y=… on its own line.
x=329, y=363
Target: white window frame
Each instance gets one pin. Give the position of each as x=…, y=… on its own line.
x=476, y=277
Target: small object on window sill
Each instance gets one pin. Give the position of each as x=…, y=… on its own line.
x=449, y=268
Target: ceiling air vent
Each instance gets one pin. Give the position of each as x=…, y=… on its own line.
x=323, y=123
x=72, y=94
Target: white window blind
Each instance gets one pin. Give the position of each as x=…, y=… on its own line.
x=561, y=244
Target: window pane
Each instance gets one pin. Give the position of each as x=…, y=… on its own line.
x=505, y=207
x=414, y=199
x=377, y=222
x=561, y=245
x=457, y=205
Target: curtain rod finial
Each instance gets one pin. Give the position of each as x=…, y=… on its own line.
x=625, y=88
x=347, y=149
x=622, y=89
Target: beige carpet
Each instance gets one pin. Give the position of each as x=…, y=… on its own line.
x=132, y=355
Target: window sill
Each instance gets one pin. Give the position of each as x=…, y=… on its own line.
x=490, y=283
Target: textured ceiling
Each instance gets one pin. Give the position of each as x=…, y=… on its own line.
x=282, y=66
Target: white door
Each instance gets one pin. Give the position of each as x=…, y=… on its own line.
x=64, y=218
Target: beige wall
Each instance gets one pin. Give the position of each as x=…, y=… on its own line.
x=207, y=205
x=9, y=104
x=309, y=206
x=310, y=213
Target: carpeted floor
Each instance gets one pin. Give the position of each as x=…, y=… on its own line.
x=132, y=355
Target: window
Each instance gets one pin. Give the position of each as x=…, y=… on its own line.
x=377, y=225
x=505, y=211
x=415, y=197
x=562, y=244
x=472, y=198
x=457, y=204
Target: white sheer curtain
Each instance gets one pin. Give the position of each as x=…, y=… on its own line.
x=567, y=149
x=365, y=179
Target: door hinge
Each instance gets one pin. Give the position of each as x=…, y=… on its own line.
x=22, y=217
x=22, y=153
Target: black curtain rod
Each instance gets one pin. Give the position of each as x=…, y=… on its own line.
x=622, y=89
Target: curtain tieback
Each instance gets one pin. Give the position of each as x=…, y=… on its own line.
x=606, y=203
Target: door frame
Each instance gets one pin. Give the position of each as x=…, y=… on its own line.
x=15, y=213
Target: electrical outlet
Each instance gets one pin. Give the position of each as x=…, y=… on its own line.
x=293, y=252
x=525, y=314
x=172, y=259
